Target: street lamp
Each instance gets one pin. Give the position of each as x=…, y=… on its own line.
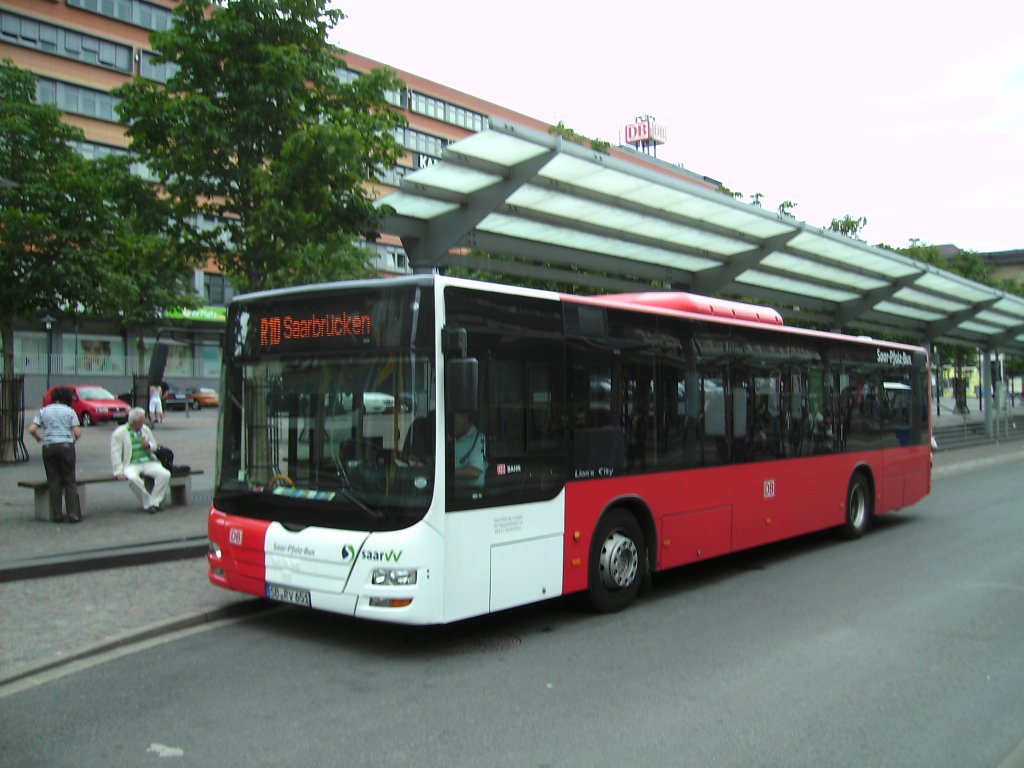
x=48, y=321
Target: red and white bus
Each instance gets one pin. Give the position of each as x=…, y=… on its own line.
x=425, y=449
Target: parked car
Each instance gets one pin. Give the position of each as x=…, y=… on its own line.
x=204, y=397
x=178, y=400
x=93, y=404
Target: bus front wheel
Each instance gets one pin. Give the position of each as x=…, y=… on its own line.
x=859, y=507
x=617, y=562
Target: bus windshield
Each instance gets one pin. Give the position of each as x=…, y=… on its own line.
x=322, y=437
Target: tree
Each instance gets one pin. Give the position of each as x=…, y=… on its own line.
x=51, y=213
x=256, y=130
x=722, y=189
x=756, y=198
x=849, y=226
x=785, y=207
x=77, y=236
x=148, y=269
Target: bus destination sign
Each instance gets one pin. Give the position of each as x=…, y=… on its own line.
x=287, y=329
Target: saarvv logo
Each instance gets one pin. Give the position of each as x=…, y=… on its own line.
x=391, y=556
x=347, y=553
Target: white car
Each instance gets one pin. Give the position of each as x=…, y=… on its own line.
x=373, y=402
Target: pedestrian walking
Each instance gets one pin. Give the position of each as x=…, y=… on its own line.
x=156, y=404
x=60, y=430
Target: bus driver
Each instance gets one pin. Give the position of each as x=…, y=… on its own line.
x=470, y=452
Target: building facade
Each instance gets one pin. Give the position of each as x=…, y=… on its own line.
x=82, y=49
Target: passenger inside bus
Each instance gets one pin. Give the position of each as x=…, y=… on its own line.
x=470, y=451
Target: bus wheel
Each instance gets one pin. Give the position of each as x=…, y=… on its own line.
x=617, y=562
x=858, y=507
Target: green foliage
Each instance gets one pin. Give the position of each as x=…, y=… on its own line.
x=577, y=138
x=756, y=198
x=785, y=208
x=929, y=254
x=48, y=207
x=255, y=129
x=849, y=226
x=970, y=265
x=722, y=189
x=147, y=269
x=78, y=236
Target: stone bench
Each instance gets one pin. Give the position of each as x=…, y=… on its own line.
x=180, y=488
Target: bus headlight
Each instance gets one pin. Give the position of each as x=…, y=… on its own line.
x=214, y=550
x=393, y=577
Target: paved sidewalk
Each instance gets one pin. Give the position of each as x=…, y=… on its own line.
x=101, y=602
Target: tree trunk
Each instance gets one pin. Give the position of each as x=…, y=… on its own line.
x=9, y=421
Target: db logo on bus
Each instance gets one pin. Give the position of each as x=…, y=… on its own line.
x=235, y=536
x=769, y=489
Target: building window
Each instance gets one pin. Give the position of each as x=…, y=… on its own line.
x=91, y=151
x=66, y=43
x=217, y=290
x=150, y=70
x=393, y=176
x=135, y=12
x=76, y=100
x=424, y=143
x=388, y=258
x=446, y=112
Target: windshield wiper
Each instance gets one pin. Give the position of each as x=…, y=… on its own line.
x=345, y=488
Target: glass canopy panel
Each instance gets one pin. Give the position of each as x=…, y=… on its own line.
x=496, y=147
x=416, y=206
x=798, y=287
x=1010, y=305
x=972, y=327
x=928, y=300
x=996, y=318
x=864, y=256
x=591, y=176
x=950, y=285
x=523, y=229
x=785, y=262
x=609, y=217
x=748, y=224
x=454, y=178
x=906, y=310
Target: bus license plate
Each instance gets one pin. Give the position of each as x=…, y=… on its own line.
x=288, y=595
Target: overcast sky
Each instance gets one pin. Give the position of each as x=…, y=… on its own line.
x=908, y=113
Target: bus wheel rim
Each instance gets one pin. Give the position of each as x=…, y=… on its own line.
x=858, y=507
x=620, y=561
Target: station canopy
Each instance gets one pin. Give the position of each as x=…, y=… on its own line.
x=524, y=204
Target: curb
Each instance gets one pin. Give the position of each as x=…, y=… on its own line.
x=100, y=559
x=135, y=636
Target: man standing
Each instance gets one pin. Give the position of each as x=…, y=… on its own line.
x=59, y=426
x=131, y=453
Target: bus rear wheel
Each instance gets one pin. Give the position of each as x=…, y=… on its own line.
x=859, y=507
x=618, y=562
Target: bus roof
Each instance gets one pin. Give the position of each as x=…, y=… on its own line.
x=689, y=302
